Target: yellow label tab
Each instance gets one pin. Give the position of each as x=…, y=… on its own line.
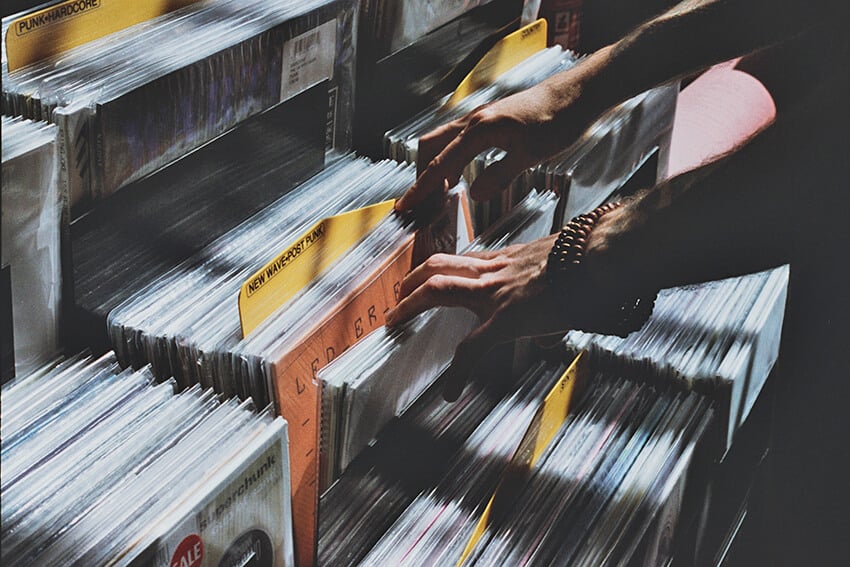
x=507, y=53
x=311, y=254
x=555, y=408
x=546, y=422
x=72, y=23
x=479, y=530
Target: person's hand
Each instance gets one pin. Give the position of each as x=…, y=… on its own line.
x=506, y=288
x=529, y=126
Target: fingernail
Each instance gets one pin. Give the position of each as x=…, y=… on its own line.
x=390, y=317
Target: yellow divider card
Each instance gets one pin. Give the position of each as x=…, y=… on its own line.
x=507, y=53
x=546, y=422
x=311, y=254
x=72, y=23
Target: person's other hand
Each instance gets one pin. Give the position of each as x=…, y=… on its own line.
x=506, y=288
x=529, y=126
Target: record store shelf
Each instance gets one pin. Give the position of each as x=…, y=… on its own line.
x=151, y=175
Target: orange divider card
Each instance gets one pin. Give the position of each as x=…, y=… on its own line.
x=297, y=390
x=312, y=253
x=66, y=25
x=507, y=53
x=299, y=394
x=546, y=422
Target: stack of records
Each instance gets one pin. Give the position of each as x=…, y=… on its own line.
x=102, y=467
x=721, y=338
x=153, y=225
x=183, y=321
x=597, y=490
x=382, y=375
x=409, y=455
x=587, y=173
x=411, y=53
x=31, y=267
x=191, y=321
x=265, y=354
x=603, y=491
x=131, y=102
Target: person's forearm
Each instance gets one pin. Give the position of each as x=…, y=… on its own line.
x=764, y=205
x=691, y=36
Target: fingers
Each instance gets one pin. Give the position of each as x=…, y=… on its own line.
x=497, y=176
x=438, y=290
x=459, y=147
x=432, y=143
x=446, y=264
x=469, y=353
x=484, y=254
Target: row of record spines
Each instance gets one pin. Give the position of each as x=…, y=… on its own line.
x=687, y=415
x=93, y=375
x=645, y=369
x=179, y=356
x=189, y=204
x=338, y=544
x=408, y=470
x=734, y=296
x=254, y=67
x=446, y=425
x=157, y=123
x=594, y=400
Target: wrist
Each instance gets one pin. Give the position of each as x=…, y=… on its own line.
x=591, y=294
x=614, y=255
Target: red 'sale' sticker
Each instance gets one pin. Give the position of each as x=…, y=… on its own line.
x=189, y=553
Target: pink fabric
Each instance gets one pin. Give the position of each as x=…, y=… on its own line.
x=715, y=113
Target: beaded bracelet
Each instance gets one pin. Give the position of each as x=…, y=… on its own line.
x=563, y=270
